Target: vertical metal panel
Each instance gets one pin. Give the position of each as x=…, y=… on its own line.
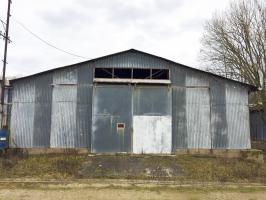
x=84, y=106
x=42, y=111
x=132, y=60
x=179, y=126
x=198, y=110
x=198, y=117
x=111, y=105
x=64, y=100
x=22, y=118
x=218, y=114
x=180, y=136
x=82, y=138
x=237, y=114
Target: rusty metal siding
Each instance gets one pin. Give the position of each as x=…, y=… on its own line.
x=64, y=100
x=237, y=116
x=42, y=111
x=22, y=118
x=132, y=60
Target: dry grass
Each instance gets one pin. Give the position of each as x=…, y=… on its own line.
x=42, y=166
x=181, y=168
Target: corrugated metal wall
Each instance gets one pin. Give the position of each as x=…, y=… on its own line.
x=64, y=101
x=131, y=60
x=54, y=109
x=237, y=115
x=42, y=111
x=22, y=114
x=257, y=126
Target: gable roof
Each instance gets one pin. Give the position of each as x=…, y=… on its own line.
x=252, y=87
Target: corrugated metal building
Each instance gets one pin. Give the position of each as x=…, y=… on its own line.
x=129, y=102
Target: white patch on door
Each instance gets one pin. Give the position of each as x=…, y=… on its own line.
x=152, y=134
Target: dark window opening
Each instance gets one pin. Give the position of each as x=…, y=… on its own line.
x=162, y=74
x=122, y=73
x=129, y=73
x=103, y=73
x=141, y=73
x=120, y=125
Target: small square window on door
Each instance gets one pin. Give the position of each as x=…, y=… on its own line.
x=120, y=126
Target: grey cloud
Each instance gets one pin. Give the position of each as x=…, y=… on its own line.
x=169, y=5
x=121, y=13
x=127, y=14
x=194, y=24
x=66, y=17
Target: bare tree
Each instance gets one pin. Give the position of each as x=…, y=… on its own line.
x=234, y=45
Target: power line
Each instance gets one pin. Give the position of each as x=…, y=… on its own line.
x=44, y=41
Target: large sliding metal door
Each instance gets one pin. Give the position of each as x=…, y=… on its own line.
x=152, y=119
x=134, y=119
x=112, y=118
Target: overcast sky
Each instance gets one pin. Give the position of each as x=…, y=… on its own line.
x=93, y=28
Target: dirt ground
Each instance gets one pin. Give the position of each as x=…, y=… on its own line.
x=114, y=190
x=117, y=194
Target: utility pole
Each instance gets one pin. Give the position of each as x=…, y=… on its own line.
x=6, y=37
